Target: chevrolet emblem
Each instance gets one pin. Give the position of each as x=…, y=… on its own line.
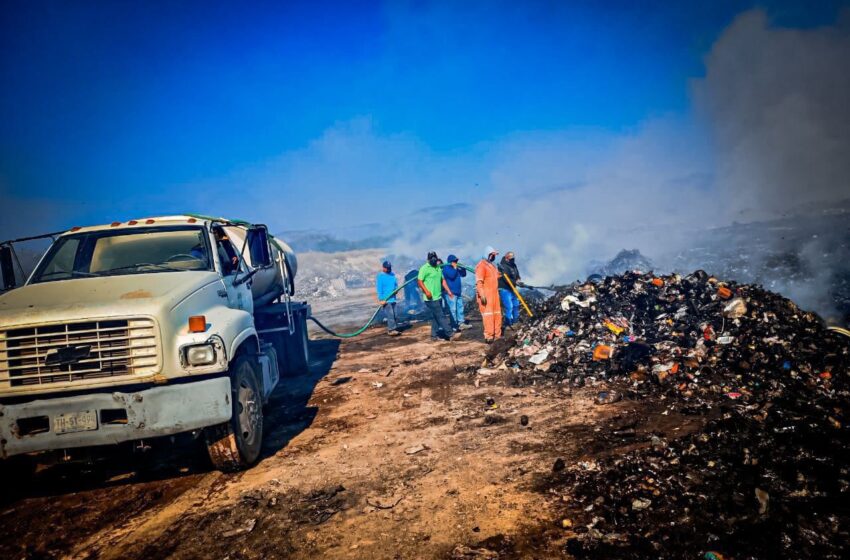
x=67, y=356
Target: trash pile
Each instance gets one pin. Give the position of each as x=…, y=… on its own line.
x=625, y=261
x=768, y=474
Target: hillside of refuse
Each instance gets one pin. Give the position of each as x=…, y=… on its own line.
x=768, y=474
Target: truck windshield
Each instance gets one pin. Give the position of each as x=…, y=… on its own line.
x=129, y=251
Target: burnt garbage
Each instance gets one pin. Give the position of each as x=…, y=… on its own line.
x=767, y=474
x=624, y=261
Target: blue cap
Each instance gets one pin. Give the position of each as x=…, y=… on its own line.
x=387, y=264
x=452, y=259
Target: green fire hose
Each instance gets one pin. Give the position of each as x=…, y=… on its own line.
x=368, y=323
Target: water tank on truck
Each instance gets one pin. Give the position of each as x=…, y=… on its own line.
x=270, y=282
x=280, y=321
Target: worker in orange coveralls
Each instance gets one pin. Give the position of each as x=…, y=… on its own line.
x=487, y=290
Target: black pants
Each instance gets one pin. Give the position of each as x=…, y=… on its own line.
x=439, y=325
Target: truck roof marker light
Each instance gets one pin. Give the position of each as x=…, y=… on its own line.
x=132, y=223
x=191, y=220
x=149, y=221
x=197, y=323
x=76, y=228
x=115, y=224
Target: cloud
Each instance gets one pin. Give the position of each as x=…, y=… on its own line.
x=349, y=175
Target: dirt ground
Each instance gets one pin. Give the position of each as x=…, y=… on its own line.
x=389, y=448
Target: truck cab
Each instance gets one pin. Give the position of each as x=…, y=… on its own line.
x=154, y=327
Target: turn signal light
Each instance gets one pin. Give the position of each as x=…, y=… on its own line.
x=197, y=323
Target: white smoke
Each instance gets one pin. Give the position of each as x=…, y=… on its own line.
x=770, y=131
x=560, y=200
x=777, y=101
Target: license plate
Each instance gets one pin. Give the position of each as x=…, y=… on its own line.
x=75, y=422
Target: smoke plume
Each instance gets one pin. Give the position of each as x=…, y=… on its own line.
x=768, y=135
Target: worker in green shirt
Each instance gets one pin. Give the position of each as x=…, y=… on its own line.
x=432, y=283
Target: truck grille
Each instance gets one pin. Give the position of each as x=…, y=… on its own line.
x=66, y=352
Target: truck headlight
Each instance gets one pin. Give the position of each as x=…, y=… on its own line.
x=200, y=355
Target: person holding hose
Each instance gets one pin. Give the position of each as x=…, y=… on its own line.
x=385, y=284
x=432, y=283
x=487, y=292
x=510, y=302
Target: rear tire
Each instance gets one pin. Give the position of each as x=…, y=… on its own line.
x=236, y=444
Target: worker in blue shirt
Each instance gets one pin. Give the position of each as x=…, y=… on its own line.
x=385, y=284
x=454, y=274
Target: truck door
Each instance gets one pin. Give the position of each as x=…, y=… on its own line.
x=233, y=270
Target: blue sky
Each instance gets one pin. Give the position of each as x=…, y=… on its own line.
x=113, y=110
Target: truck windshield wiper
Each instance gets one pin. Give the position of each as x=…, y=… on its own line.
x=137, y=266
x=71, y=273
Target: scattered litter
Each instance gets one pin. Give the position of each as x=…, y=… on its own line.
x=608, y=397
x=763, y=499
x=416, y=449
x=640, y=503
x=384, y=502
x=735, y=309
x=247, y=528
x=540, y=357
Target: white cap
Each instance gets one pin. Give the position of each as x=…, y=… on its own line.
x=489, y=250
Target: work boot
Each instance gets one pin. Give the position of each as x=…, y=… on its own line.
x=394, y=333
x=455, y=336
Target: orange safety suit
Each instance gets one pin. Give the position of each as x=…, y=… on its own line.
x=487, y=284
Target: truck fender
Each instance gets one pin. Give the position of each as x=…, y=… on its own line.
x=242, y=337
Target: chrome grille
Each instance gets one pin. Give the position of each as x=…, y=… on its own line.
x=106, y=348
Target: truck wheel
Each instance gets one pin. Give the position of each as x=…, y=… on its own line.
x=18, y=470
x=236, y=444
x=297, y=349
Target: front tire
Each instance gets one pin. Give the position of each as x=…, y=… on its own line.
x=236, y=444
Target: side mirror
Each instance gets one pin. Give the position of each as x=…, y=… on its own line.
x=7, y=268
x=258, y=247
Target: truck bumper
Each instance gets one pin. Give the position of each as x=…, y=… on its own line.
x=109, y=418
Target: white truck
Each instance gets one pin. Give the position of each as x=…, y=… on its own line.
x=135, y=330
